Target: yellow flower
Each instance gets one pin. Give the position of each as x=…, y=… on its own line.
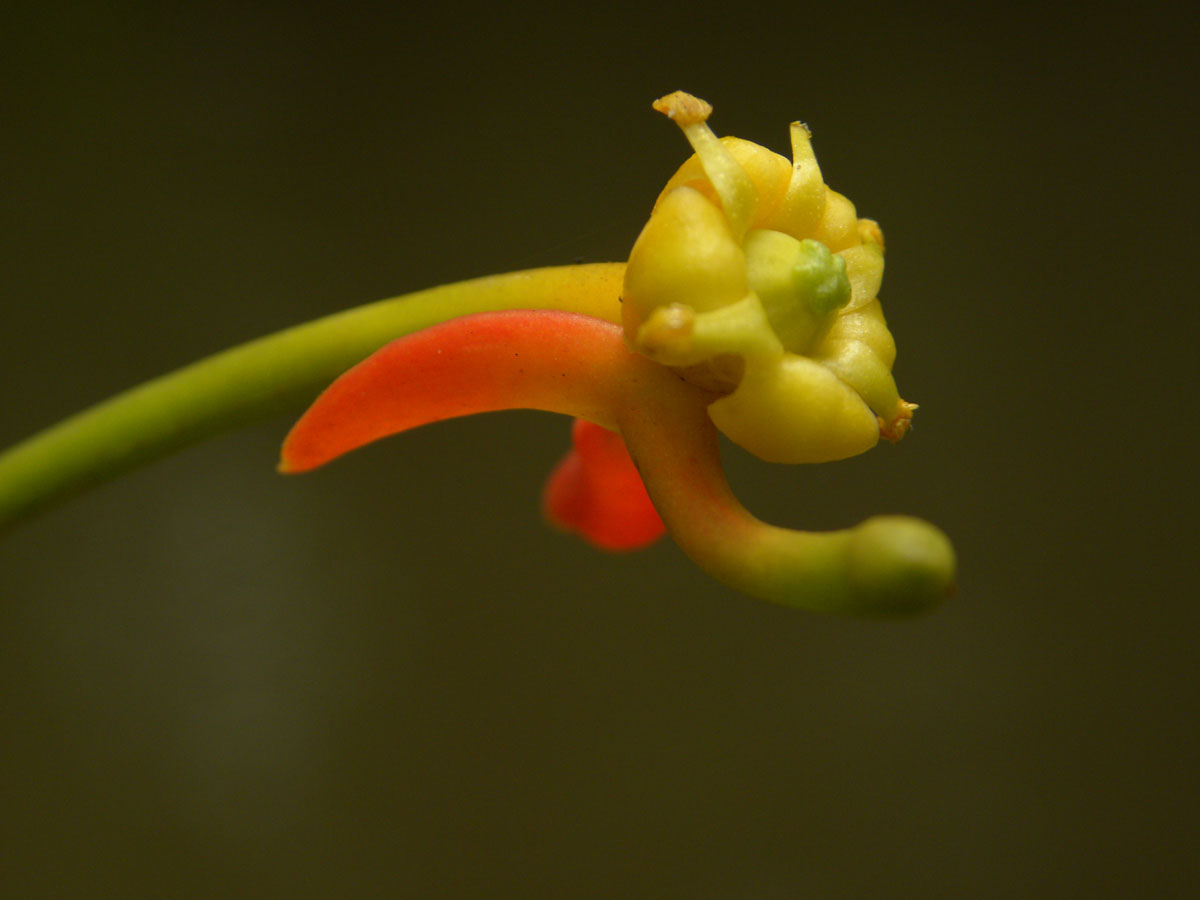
x=759, y=283
x=748, y=305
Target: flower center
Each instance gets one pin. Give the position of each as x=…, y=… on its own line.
x=801, y=285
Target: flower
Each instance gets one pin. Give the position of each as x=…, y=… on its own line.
x=749, y=306
x=760, y=282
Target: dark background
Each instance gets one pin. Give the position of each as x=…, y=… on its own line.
x=389, y=678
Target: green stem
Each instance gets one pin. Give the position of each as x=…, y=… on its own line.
x=266, y=377
x=885, y=566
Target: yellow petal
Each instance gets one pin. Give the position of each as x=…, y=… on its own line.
x=684, y=255
x=769, y=173
x=864, y=324
x=864, y=268
x=839, y=223
x=796, y=412
x=860, y=367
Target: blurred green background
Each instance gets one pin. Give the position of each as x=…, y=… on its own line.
x=389, y=678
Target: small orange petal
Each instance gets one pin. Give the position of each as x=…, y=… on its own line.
x=597, y=492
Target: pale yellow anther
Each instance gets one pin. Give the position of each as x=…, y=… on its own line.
x=684, y=109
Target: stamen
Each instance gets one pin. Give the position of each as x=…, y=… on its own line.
x=729, y=179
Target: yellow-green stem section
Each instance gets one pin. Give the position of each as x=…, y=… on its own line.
x=885, y=566
x=266, y=377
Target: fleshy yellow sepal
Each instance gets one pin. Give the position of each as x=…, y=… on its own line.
x=763, y=414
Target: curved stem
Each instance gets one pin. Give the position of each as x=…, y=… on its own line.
x=265, y=377
x=887, y=565
x=580, y=366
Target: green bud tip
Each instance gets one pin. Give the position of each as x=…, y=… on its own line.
x=820, y=278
